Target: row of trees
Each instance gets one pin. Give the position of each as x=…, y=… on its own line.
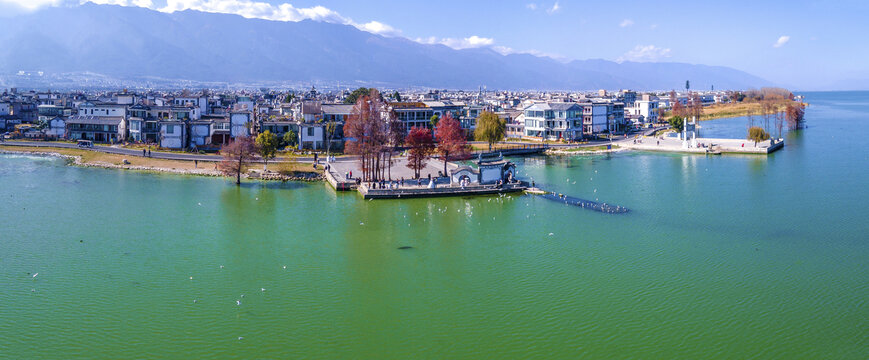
x=373, y=133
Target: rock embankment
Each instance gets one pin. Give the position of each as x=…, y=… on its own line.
x=580, y=151
x=297, y=176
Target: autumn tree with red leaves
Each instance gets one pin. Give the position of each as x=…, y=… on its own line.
x=451, y=139
x=421, y=145
x=237, y=156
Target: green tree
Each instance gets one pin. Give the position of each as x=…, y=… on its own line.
x=490, y=128
x=434, y=120
x=396, y=96
x=757, y=134
x=329, y=128
x=677, y=122
x=267, y=143
x=290, y=138
x=351, y=99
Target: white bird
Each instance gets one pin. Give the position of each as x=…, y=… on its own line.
x=194, y=301
x=238, y=302
x=550, y=234
x=241, y=337
x=262, y=289
x=34, y=275
x=285, y=266
x=191, y=278
x=257, y=198
x=361, y=223
x=242, y=295
x=221, y=266
x=200, y=204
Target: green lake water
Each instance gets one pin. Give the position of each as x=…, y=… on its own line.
x=720, y=257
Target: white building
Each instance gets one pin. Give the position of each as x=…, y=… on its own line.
x=102, y=109
x=172, y=134
x=199, y=101
x=56, y=127
x=240, y=123
x=554, y=121
x=647, y=106
x=311, y=136
x=200, y=133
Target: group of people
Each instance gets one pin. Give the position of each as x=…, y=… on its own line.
x=396, y=184
x=146, y=152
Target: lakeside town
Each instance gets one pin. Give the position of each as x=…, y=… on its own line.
x=428, y=133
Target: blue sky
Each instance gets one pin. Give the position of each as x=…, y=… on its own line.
x=799, y=44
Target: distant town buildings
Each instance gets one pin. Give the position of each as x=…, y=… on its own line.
x=310, y=119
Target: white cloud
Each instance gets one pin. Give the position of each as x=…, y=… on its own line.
x=258, y=10
x=781, y=41
x=554, y=9
x=139, y=3
x=465, y=43
x=504, y=50
x=626, y=23
x=645, y=53
x=280, y=12
x=376, y=27
x=653, y=26
x=30, y=5
x=251, y=9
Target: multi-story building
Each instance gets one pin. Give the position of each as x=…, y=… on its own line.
x=412, y=114
x=647, y=107
x=594, y=118
x=97, y=109
x=553, y=121
x=109, y=129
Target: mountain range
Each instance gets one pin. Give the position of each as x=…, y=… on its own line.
x=135, y=43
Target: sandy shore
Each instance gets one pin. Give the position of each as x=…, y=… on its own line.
x=211, y=172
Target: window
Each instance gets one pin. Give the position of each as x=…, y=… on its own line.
x=170, y=129
x=310, y=131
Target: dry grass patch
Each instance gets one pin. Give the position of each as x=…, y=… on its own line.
x=95, y=157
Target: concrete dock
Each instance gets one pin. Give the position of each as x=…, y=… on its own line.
x=705, y=146
x=440, y=191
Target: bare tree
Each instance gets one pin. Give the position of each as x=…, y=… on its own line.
x=237, y=155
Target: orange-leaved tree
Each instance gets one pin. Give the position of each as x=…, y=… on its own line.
x=420, y=144
x=451, y=139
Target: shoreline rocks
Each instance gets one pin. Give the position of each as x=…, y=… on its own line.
x=558, y=152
